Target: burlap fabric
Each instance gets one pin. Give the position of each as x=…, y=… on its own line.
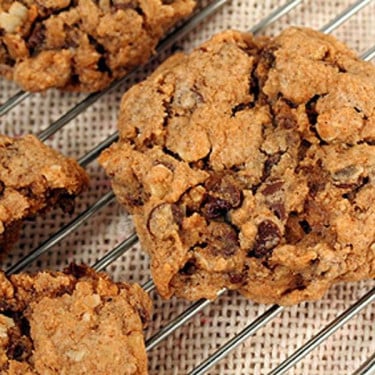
x=342, y=353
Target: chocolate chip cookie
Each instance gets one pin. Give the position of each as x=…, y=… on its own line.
x=81, y=45
x=33, y=178
x=76, y=322
x=250, y=164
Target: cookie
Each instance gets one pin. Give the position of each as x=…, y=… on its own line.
x=250, y=164
x=81, y=45
x=76, y=322
x=33, y=178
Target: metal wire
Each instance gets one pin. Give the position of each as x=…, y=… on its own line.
x=344, y=16
x=266, y=317
x=369, y=54
x=116, y=252
x=366, y=369
x=329, y=330
x=62, y=233
x=274, y=16
x=180, y=320
x=13, y=102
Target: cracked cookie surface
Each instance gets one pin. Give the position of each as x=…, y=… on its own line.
x=81, y=45
x=34, y=178
x=250, y=164
x=76, y=322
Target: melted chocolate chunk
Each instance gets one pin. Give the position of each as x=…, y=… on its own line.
x=226, y=188
x=305, y=226
x=215, y=207
x=188, y=269
x=268, y=237
x=311, y=112
x=272, y=188
x=236, y=278
x=36, y=38
x=222, y=240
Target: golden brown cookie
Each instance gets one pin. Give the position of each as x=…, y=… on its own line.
x=34, y=178
x=250, y=164
x=76, y=322
x=81, y=45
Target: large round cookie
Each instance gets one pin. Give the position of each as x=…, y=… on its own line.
x=81, y=45
x=250, y=164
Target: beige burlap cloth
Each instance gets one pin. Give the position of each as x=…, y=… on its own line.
x=342, y=353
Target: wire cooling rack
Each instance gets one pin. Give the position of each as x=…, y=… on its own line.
x=230, y=335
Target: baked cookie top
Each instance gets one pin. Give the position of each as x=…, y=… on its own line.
x=250, y=164
x=34, y=178
x=76, y=322
x=81, y=45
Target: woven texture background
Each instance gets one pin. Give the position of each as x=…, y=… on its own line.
x=188, y=346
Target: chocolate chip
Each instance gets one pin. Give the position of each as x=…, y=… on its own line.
x=228, y=242
x=215, y=207
x=316, y=176
x=134, y=201
x=15, y=351
x=267, y=57
x=255, y=84
x=20, y=347
x=272, y=188
x=303, y=148
x=2, y=187
x=77, y=270
x=28, y=192
x=267, y=238
x=222, y=240
x=178, y=214
x=236, y=278
x=271, y=161
x=223, y=194
x=24, y=326
x=189, y=268
x=103, y=67
x=66, y=203
x=279, y=210
x=226, y=188
x=36, y=38
x=102, y=62
x=310, y=108
x=305, y=226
